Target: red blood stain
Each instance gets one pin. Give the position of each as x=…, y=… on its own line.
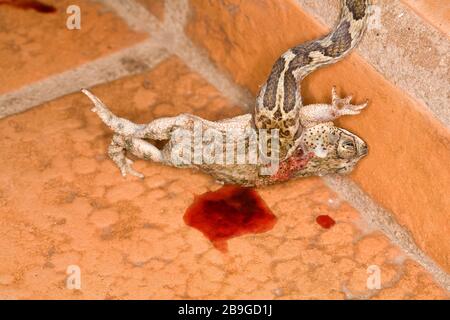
x=325, y=221
x=229, y=212
x=30, y=4
x=291, y=165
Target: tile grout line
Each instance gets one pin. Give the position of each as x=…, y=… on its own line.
x=129, y=61
x=112, y=67
x=170, y=34
x=380, y=218
x=136, y=16
x=371, y=211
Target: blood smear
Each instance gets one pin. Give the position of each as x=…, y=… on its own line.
x=229, y=212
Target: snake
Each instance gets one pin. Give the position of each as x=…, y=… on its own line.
x=279, y=100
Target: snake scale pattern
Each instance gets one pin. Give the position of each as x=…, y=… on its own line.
x=279, y=100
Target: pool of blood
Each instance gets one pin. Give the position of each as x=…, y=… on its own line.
x=30, y=4
x=325, y=221
x=229, y=212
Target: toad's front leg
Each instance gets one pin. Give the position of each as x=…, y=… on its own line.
x=138, y=147
x=314, y=114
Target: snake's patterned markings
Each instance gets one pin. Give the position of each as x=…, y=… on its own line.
x=279, y=103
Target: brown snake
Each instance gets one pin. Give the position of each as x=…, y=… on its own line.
x=279, y=100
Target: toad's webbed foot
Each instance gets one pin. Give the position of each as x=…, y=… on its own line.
x=126, y=168
x=342, y=106
x=116, y=152
x=138, y=147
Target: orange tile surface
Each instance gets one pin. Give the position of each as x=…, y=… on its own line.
x=63, y=202
x=34, y=45
x=406, y=171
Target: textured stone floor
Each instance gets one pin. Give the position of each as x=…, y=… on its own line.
x=63, y=202
x=35, y=45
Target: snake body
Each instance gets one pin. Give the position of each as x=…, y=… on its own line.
x=279, y=100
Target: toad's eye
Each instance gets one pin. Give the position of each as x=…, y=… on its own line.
x=346, y=149
x=350, y=145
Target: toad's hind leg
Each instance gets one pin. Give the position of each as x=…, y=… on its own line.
x=159, y=129
x=140, y=148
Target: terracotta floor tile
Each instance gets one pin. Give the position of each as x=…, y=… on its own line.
x=62, y=202
x=35, y=45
